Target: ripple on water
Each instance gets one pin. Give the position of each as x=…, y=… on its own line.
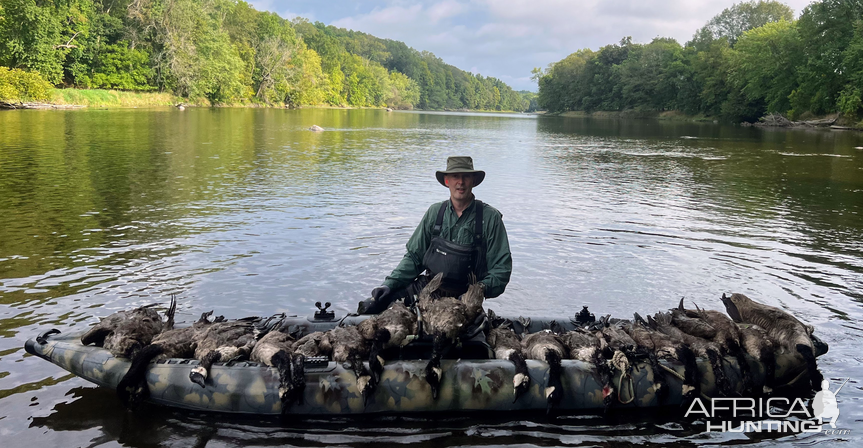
x=267, y=217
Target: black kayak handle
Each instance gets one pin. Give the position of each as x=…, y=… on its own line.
x=42, y=338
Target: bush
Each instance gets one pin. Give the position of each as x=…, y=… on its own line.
x=19, y=86
x=850, y=102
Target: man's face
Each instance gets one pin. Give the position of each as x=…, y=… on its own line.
x=460, y=185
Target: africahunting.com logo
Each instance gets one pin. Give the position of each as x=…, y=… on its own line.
x=772, y=414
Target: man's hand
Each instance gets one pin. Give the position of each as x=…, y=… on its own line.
x=377, y=303
x=380, y=292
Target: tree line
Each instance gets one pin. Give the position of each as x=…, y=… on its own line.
x=750, y=60
x=228, y=52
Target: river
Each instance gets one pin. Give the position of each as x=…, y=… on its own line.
x=246, y=212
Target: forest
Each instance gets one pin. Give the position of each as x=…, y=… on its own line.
x=225, y=52
x=750, y=60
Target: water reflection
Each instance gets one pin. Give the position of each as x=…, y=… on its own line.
x=95, y=417
x=246, y=212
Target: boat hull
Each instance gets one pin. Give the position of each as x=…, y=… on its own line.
x=467, y=385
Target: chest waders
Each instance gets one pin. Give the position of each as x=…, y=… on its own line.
x=456, y=261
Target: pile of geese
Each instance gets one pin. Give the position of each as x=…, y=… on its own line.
x=679, y=335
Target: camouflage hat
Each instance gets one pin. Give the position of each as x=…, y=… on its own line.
x=459, y=164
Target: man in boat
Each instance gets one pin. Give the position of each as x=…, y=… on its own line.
x=450, y=239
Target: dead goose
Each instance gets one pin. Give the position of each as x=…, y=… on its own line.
x=473, y=299
x=310, y=345
x=124, y=333
x=757, y=344
x=346, y=344
x=726, y=334
x=275, y=350
x=506, y=345
x=547, y=346
x=783, y=328
x=306, y=347
x=583, y=345
x=617, y=347
x=222, y=341
x=173, y=343
x=664, y=347
x=444, y=319
x=389, y=329
x=700, y=347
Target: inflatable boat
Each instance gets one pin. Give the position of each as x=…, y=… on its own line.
x=471, y=380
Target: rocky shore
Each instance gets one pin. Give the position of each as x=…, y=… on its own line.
x=778, y=121
x=5, y=105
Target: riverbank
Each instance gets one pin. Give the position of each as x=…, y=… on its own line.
x=832, y=121
x=637, y=114
x=82, y=98
x=112, y=98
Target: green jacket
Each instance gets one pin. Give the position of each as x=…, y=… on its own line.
x=459, y=230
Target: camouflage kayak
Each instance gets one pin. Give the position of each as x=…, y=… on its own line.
x=468, y=384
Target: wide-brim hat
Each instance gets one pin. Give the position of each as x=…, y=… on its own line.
x=460, y=164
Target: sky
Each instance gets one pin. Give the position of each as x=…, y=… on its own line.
x=507, y=38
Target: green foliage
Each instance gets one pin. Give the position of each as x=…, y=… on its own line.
x=33, y=36
x=827, y=29
x=112, y=98
x=226, y=51
x=850, y=101
x=747, y=61
x=529, y=98
x=564, y=84
x=17, y=86
x=119, y=67
x=649, y=75
x=440, y=86
x=404, y=92
x=764, y=64
x=732, y=22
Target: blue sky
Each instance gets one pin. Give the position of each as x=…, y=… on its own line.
x=507, y=38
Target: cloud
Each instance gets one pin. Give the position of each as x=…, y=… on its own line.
x=445, y=9
x=289, y=14
x=395, y=15
x=507, y=38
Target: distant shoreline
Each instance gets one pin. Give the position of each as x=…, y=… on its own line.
x=829, y=122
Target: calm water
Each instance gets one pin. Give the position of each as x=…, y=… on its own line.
x=245, y=212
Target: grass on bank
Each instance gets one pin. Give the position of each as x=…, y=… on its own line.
x=112, y=98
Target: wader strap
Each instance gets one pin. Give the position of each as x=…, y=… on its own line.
x=438, y=223
x=477, y=233
x=480, y=267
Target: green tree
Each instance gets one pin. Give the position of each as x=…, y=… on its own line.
x=650, y=74
x=38, y=36
x=827, y=29
x=850, y=100
x=732, y=22
x=764, y=64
